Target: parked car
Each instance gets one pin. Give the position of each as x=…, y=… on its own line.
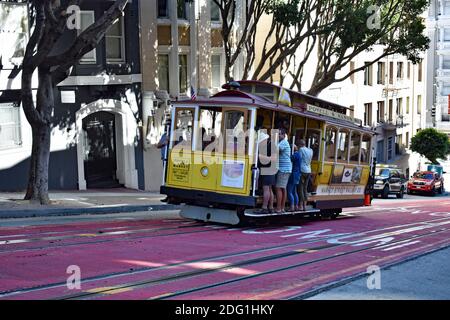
x=429, y=182
x=389, y=180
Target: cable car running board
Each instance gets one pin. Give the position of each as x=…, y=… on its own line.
x=252, y=214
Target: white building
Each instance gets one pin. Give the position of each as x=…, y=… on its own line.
x=438, y=65
x=388, y=96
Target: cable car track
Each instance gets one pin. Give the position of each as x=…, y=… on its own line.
x=105, y=240
x=184, y=275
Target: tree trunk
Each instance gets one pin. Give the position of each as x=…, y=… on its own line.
x=37, y=190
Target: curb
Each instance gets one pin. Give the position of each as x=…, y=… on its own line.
x=49, y=212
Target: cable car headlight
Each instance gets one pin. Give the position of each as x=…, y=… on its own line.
x=204, y=171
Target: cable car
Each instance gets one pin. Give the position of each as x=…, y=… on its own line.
x=211, y=164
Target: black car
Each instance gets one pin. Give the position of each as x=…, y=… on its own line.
x=389, y=181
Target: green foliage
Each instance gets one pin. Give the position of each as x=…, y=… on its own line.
x=431, y=144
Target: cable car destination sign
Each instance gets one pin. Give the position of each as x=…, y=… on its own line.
x=331, y=114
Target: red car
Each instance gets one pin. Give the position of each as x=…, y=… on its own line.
x=426, y=182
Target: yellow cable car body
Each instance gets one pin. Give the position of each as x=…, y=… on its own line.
x=211, y=163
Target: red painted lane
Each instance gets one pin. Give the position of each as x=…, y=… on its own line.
x=75, y=227
x=98, y=259
x=255, y=284
x=149, y=275
x=58, y=240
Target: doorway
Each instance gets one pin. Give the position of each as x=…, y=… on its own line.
x=100, y=159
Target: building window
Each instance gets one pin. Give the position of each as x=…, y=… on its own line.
x=407, y=105
x=399, y=70
x=409, y=71
x=13, y=32
x=9, y=125
x=419, y=72
x=447, y=8
x=163, y=71
x=86, y=19
x=215, y=70
x=446, y=90
x=215, y=11
x=398, y=144
x=407, y=140
x=381, y=73
x=391, y=73
x=390, y=110
x=399, y=109
x=115, y=42
x=447, y=34
x=390, y=148
x=446, y=62
x=183, y=72
x=352, y=67
x=368, y=74
x=419, y=104
x=182, y=9
x=380, y=111
x=163, y=11
x=367, y=114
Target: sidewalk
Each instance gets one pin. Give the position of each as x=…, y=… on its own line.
x=77, y=202
x=425, y=278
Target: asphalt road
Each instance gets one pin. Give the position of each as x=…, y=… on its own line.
x=157, y=255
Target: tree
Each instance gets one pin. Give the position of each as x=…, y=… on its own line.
x=431, y=144
x=49, y=22
x=335, y=30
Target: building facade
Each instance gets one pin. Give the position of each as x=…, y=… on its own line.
x=438, y=65
x=388, y=96
x=96, y=141
x=110, y=112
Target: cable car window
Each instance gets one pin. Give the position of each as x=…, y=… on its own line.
x=365, y=149
x=235, y=127
x=342, y=152
x=209, y=127
x=330, y=144
x=282, y=120
x=184, y=120
x=355, y=142
x=312, y=140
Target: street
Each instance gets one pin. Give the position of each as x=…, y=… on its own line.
x=157, y=255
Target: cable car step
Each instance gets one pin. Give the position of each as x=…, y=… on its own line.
x=254, y=214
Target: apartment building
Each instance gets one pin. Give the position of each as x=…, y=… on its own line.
x=390, y=97
x=438, y=65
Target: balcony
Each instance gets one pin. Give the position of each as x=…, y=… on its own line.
x=392, y=125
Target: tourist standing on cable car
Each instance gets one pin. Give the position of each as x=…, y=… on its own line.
x=306, y=155
x=284, y=170
x=294, y=181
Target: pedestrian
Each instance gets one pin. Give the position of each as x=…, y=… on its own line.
x=306, y=155
x=294, y=181
x=284, y=170
x=163, y=145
